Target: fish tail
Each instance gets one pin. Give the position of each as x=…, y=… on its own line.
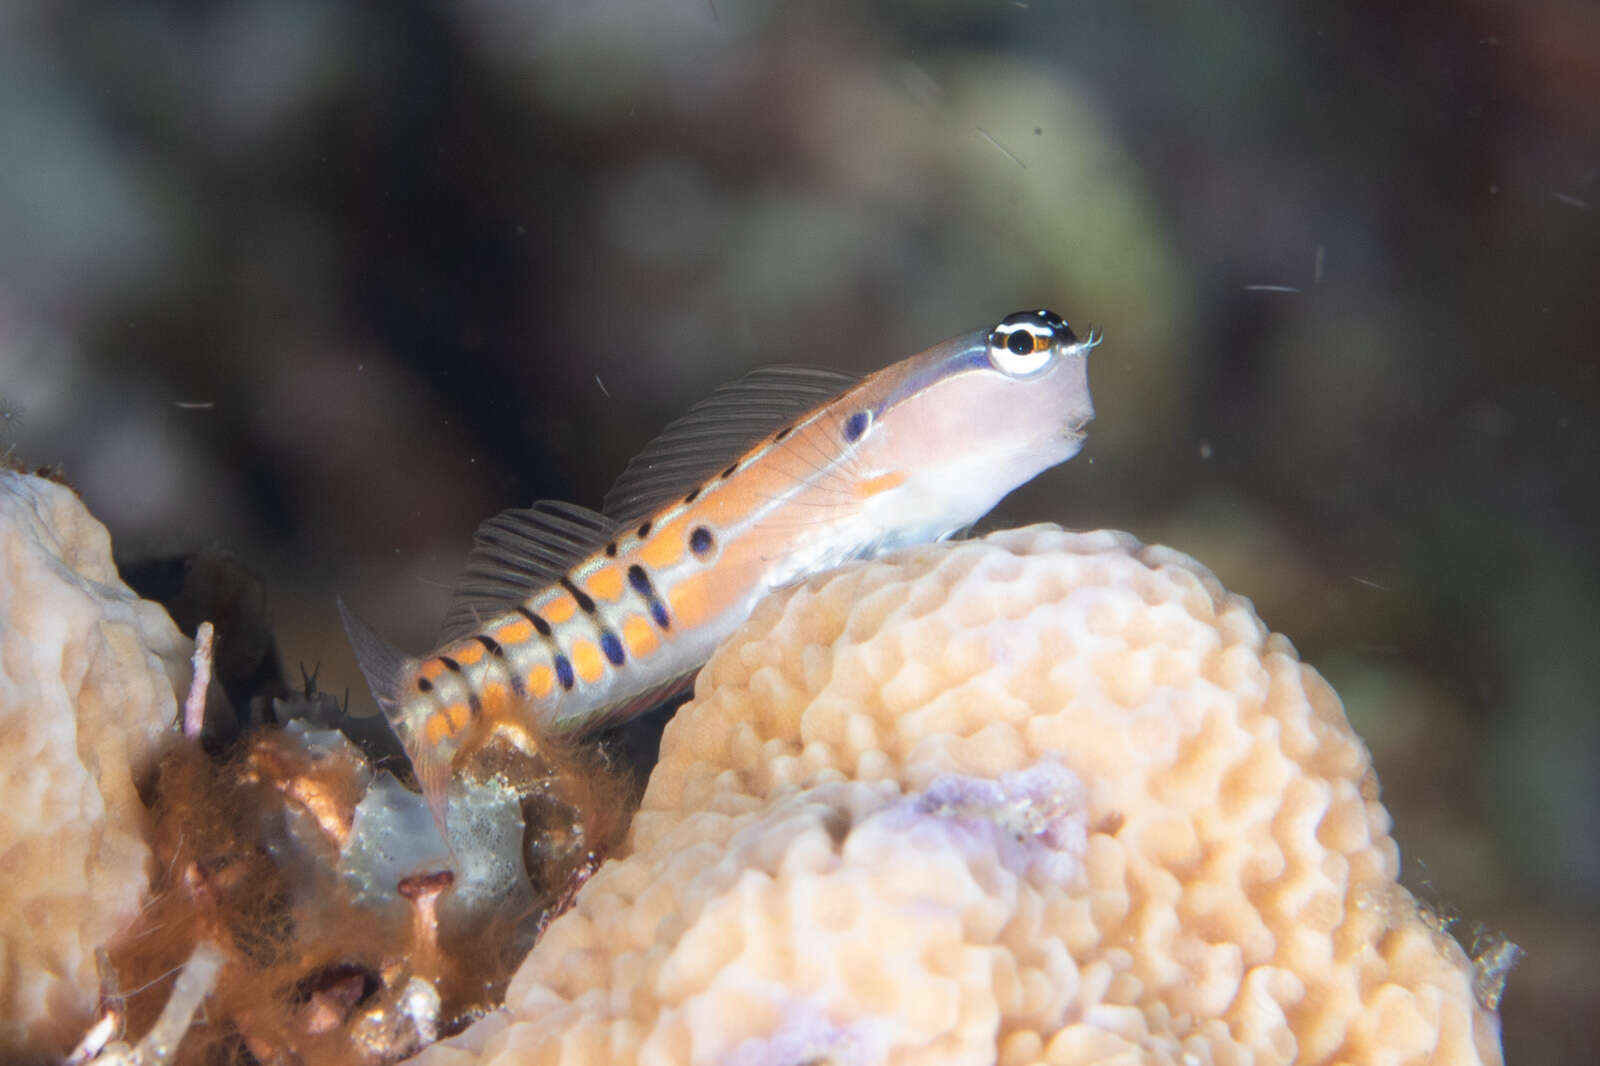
x=386, y=668
x=382, y=664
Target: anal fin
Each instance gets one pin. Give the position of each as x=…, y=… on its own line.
x=633, y=706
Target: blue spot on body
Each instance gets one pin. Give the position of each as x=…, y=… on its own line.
x=612, y=647
x=564, y=672
x=641, y=584
x=856, y=425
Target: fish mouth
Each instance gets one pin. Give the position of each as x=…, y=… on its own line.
x=1077, y=427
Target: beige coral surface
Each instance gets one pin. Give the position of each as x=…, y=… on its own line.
x=87, y=676
x=1045, y=797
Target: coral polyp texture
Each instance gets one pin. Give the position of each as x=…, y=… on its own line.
x=87, y=676
x=1044, y=797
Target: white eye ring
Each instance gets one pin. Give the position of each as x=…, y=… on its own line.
x=1036, y=349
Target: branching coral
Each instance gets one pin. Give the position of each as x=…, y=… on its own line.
x=1046, y=797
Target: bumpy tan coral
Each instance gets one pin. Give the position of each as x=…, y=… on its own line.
x=87, y=673
x=1047, y=797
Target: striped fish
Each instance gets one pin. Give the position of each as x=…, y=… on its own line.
x=567, y=619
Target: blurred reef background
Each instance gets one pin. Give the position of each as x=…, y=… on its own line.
x=326, y=285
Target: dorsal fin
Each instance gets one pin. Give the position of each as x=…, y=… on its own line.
x=516, y=552
x=716, y=431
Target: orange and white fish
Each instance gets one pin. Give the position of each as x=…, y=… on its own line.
x=569, y=619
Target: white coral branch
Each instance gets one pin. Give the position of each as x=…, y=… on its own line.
x=194, y=708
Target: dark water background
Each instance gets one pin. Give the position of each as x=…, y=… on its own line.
x=328, y=284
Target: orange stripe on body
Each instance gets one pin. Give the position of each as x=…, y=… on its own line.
x=765, y=481
x=558, y=608
x=605, y=583
x=882, y=483
x=541, y=682
x=466, y=653
x=431, y=669
x=586, y=660
x=514, y=632
x=731, y=503
x=690, y=600
x=639, y=636
x=460, y=717
x=665, y=546
x=495, y=699
x=436, y=729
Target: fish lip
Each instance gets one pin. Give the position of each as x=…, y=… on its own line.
x=1077, y=427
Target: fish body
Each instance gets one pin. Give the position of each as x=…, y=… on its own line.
x=569, y=619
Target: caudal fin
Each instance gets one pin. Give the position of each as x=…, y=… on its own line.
x=381, y=663
x=385, y=667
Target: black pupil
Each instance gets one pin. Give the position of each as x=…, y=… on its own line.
x=1020, y=342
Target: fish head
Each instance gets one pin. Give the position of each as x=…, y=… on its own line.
x=967, y=421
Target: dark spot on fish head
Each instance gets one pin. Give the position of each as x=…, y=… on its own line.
x=701, y=541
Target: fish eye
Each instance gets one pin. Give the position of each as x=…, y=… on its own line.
x=1025, y=343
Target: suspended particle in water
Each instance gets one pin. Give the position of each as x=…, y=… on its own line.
x=10, y=418
x=10, y=424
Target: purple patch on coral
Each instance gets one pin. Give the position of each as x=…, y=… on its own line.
x=1035, y=819
x=806, y=1038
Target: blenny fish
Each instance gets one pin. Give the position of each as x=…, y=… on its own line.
x=567, y=620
